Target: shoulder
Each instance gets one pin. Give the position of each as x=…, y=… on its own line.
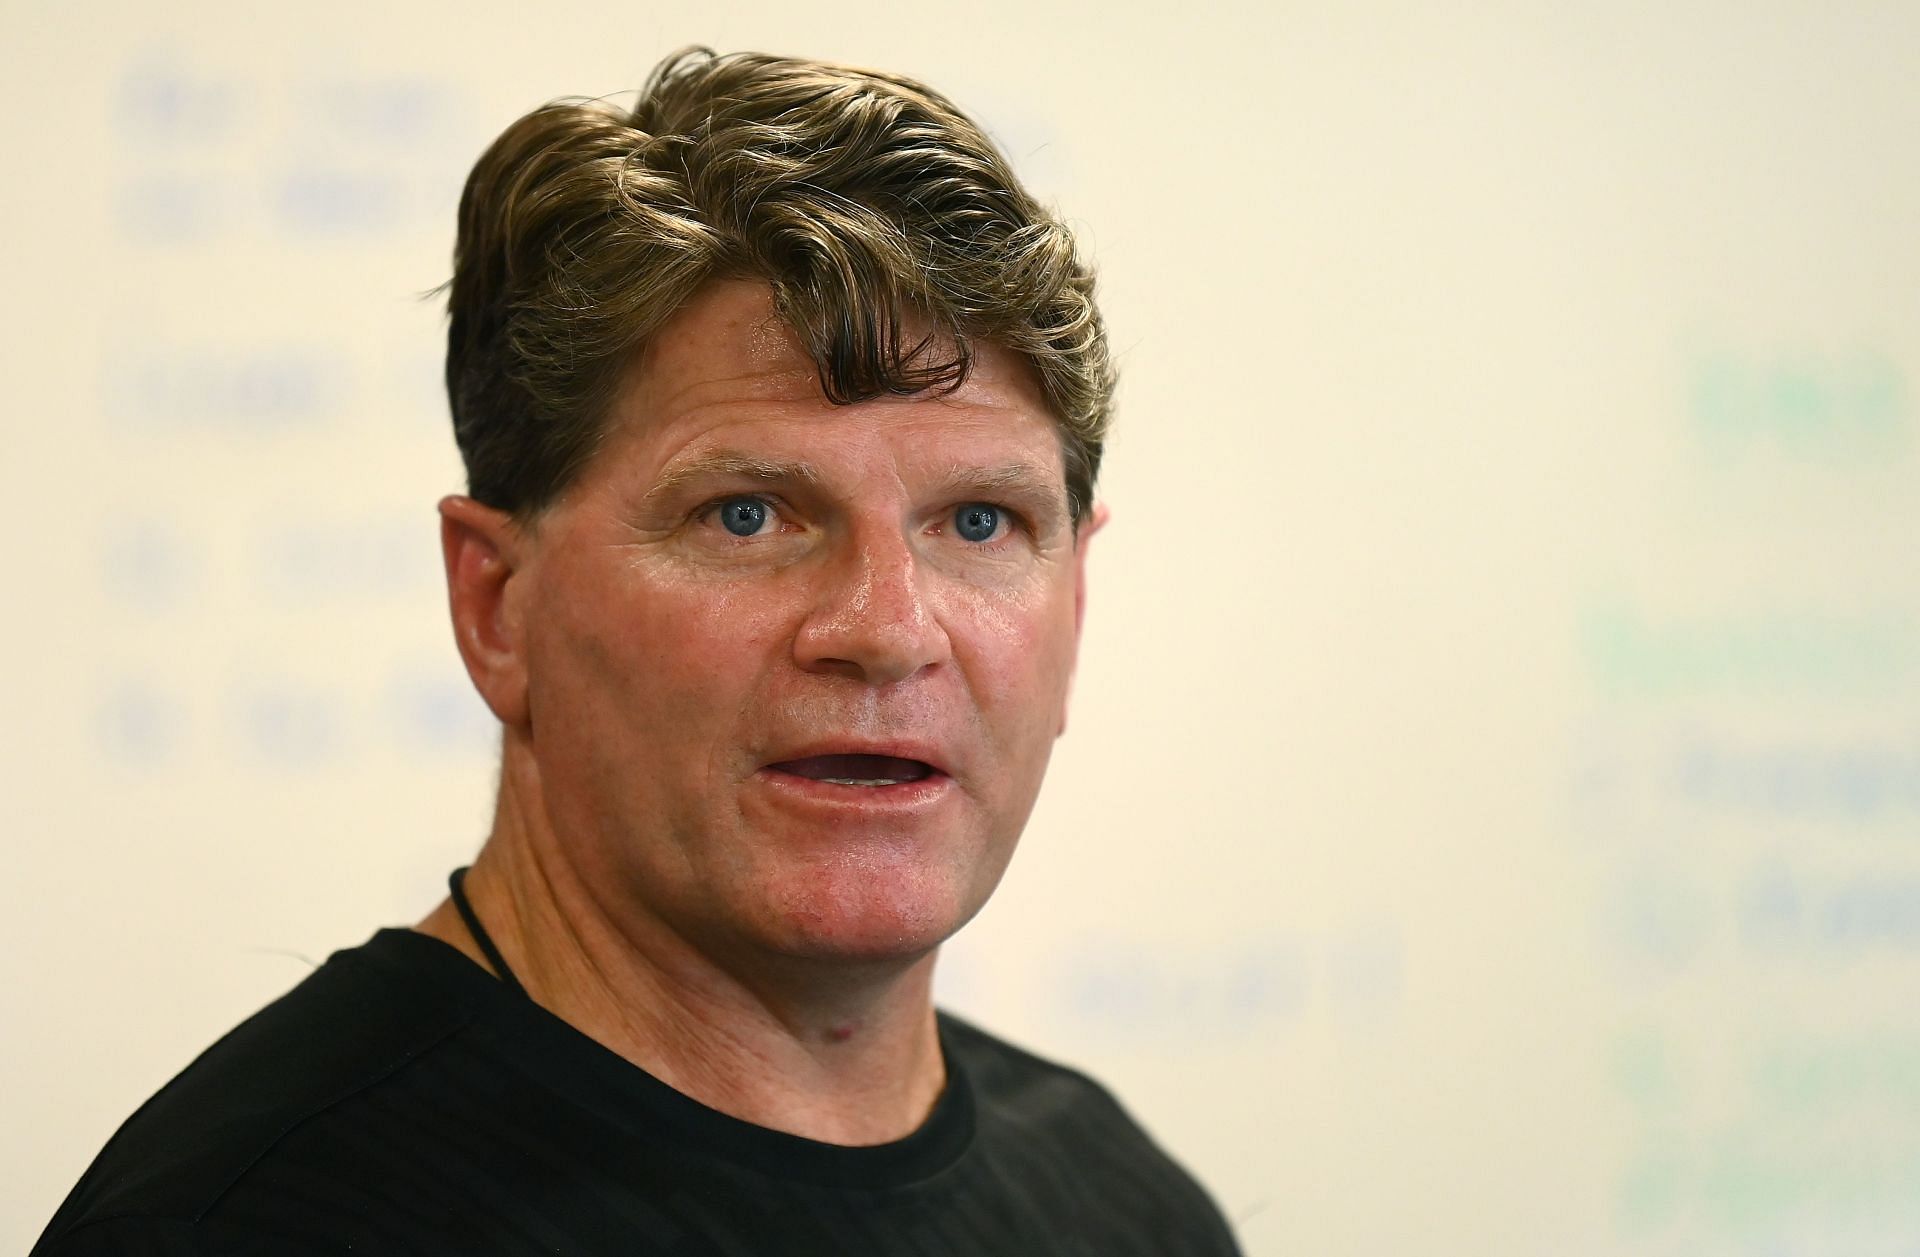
x=1012, y=1083
x=1038, y=1117
x=358, y=1020
x=129, y=1236
x=999, y=1071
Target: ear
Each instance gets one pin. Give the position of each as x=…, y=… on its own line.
x=483, y=549
x=1095, y=522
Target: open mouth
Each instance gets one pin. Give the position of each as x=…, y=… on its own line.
x=869, y=771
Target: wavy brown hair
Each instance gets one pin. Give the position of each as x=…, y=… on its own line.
x=867, y=201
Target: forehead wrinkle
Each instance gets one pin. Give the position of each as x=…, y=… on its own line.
x=754, y=384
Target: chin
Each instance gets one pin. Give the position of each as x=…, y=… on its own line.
x=869, y=917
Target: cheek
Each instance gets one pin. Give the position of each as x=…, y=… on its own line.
x=651, y=612
x=1017, y=647
x=725, y=620
x=622, y=650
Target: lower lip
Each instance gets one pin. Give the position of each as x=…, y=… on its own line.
x=901, y=796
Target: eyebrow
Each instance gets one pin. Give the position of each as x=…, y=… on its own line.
x=728, y=465
x=1037, y=491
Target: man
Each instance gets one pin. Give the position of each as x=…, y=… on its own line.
x=781, y=404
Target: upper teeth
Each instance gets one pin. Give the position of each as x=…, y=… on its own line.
x=862, y=781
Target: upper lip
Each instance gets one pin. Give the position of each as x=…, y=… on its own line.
x=925, y=753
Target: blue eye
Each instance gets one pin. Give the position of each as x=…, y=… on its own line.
x=743, y=517
x=976, y=521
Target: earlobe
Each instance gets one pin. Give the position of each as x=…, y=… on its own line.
x=480, y=546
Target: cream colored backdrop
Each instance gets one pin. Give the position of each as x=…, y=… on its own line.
x=1491, y=822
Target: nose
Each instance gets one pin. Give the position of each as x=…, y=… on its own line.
x=870, y=618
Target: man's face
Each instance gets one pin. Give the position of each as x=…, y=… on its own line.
x=793, y=670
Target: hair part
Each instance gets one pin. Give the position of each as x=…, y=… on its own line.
x=867, y=202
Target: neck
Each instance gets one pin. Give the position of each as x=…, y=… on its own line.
x=841, y=1054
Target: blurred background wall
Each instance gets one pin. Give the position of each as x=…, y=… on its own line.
x=1491, y=820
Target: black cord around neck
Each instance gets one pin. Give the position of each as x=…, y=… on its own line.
x=479, y=931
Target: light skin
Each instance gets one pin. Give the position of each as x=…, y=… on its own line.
x=744, y=586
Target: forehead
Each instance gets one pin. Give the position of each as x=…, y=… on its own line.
x=727, y=361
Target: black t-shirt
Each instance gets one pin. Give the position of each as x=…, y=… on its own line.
x=401, y=1100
